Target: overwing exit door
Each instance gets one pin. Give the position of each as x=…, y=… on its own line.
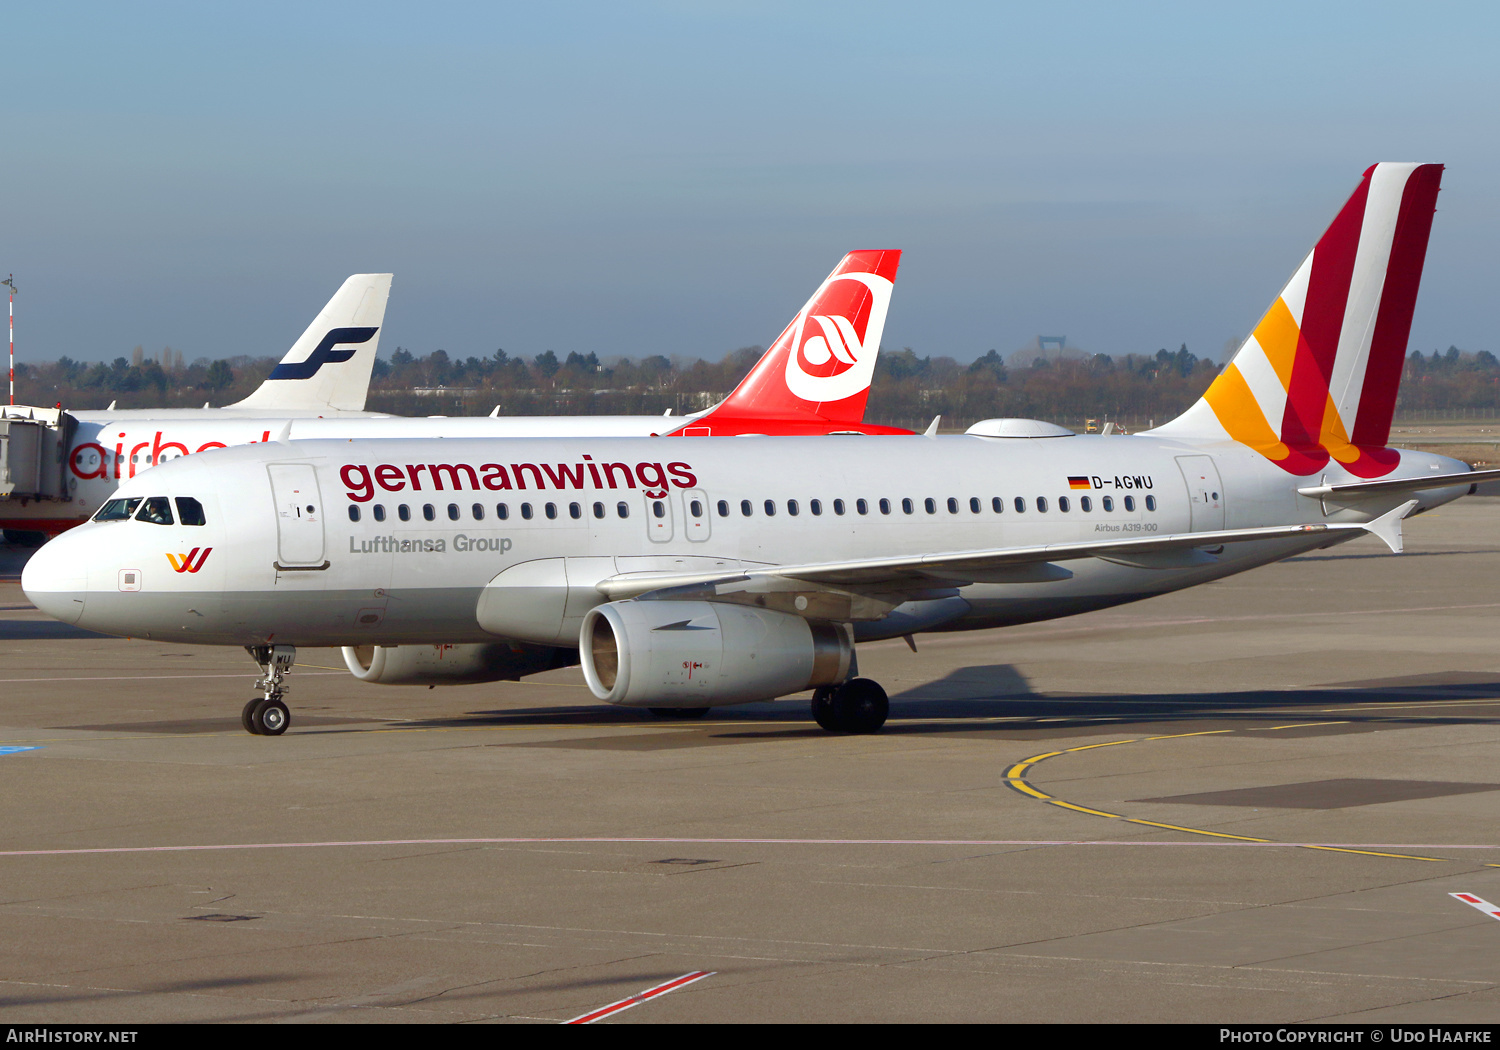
x=299, y=516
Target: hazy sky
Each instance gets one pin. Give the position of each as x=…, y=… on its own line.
x=634, y=178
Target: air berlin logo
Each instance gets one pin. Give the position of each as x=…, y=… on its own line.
x=185, y=563
x=831, y=357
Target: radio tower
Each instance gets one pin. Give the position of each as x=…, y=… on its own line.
x=11, y=282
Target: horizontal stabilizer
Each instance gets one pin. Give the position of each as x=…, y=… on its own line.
x=1371, y=489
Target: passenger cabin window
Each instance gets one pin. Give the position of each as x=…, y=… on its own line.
x=551, y=510
x=1150, y=502
x=1085, y=504
x=861, y=506
x=745, y=508
x=1041, y=504
x=1130, y=503
x=353, y=512
x=575, y=511
x=815, y=505
x=838, y=506
x=929, y=505
x=695, y=508
x=403, y=512
x=723, y=506
x=997, y=505
x=453, y=512
x=622, y=509
x=598, y=510
x=429, y=512
x=190, y=511
x=379, y=512
x=157, y=510
x=502, y=511
x=478, y=511
x=791, y=507
x=658, y=508
x=526, y=511
x=885, y=506
x=953, y=505
x=1108, y=502
x=1062, y=504
x=770, y=508
x=1020, y=504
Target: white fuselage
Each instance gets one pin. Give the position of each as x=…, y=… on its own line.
x=478, y=539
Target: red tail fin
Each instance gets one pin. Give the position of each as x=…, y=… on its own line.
x=817, y=374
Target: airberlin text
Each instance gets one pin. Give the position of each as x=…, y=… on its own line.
x=362, y=482
x=429, y=544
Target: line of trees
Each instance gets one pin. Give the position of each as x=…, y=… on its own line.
x=908, y=389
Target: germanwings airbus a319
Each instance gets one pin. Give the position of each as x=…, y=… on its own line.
x=815, y=379
x=685, y=575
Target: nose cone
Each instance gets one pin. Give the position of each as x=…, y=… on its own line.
x=56, y=580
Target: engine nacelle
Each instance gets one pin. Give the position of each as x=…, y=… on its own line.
x=703, y=654
x=452, y=664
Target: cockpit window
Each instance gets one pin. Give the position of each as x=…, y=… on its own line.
x=157, y=510
x=118, y=509
x=190, y=511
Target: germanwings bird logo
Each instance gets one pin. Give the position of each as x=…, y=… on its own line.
x=830, y=358
x=185, y=563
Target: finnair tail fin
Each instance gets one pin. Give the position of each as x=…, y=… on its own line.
x=329, y=367
x=1317, y=379
x=819, y=369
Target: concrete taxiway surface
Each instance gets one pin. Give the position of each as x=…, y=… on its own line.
x=1096, y=819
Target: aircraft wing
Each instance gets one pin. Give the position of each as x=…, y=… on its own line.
x=895, y=579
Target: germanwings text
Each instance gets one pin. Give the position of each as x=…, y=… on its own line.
x=363, y=483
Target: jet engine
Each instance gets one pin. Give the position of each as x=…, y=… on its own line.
x=704, y=654
x=452, y=664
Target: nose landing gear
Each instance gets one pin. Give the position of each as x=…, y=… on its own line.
x=268, y=715
x=857, y=706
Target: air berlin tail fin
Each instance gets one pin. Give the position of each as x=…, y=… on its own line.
x=816, y=376
x=328, y=368
x=1317, y=379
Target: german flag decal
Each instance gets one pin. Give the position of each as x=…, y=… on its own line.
x=1079, y=483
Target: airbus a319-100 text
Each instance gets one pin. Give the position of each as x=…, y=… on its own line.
x=686, y=575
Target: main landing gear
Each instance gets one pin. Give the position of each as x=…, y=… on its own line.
x=268, y=715
x=857, y=706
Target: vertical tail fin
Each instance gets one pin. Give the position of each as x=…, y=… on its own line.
x=329, y=367
x=1318, y=377
x=819, y=369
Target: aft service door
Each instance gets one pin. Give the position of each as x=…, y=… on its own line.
x=299, y=516
x=1205, y=494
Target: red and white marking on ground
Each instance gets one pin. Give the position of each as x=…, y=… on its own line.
x=1478, y=902
x=641, y=997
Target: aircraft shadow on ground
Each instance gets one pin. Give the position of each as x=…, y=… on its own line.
x=959, y=702
x=42, y=630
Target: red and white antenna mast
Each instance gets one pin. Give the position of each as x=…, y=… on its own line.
x=11, y=282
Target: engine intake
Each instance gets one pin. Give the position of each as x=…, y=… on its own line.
x=452, y=664
x=704, y=654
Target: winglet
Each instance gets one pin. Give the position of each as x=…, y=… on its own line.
x=931, y=430
x=1388, y=525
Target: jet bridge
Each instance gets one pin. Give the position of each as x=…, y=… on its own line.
x=34, y=445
